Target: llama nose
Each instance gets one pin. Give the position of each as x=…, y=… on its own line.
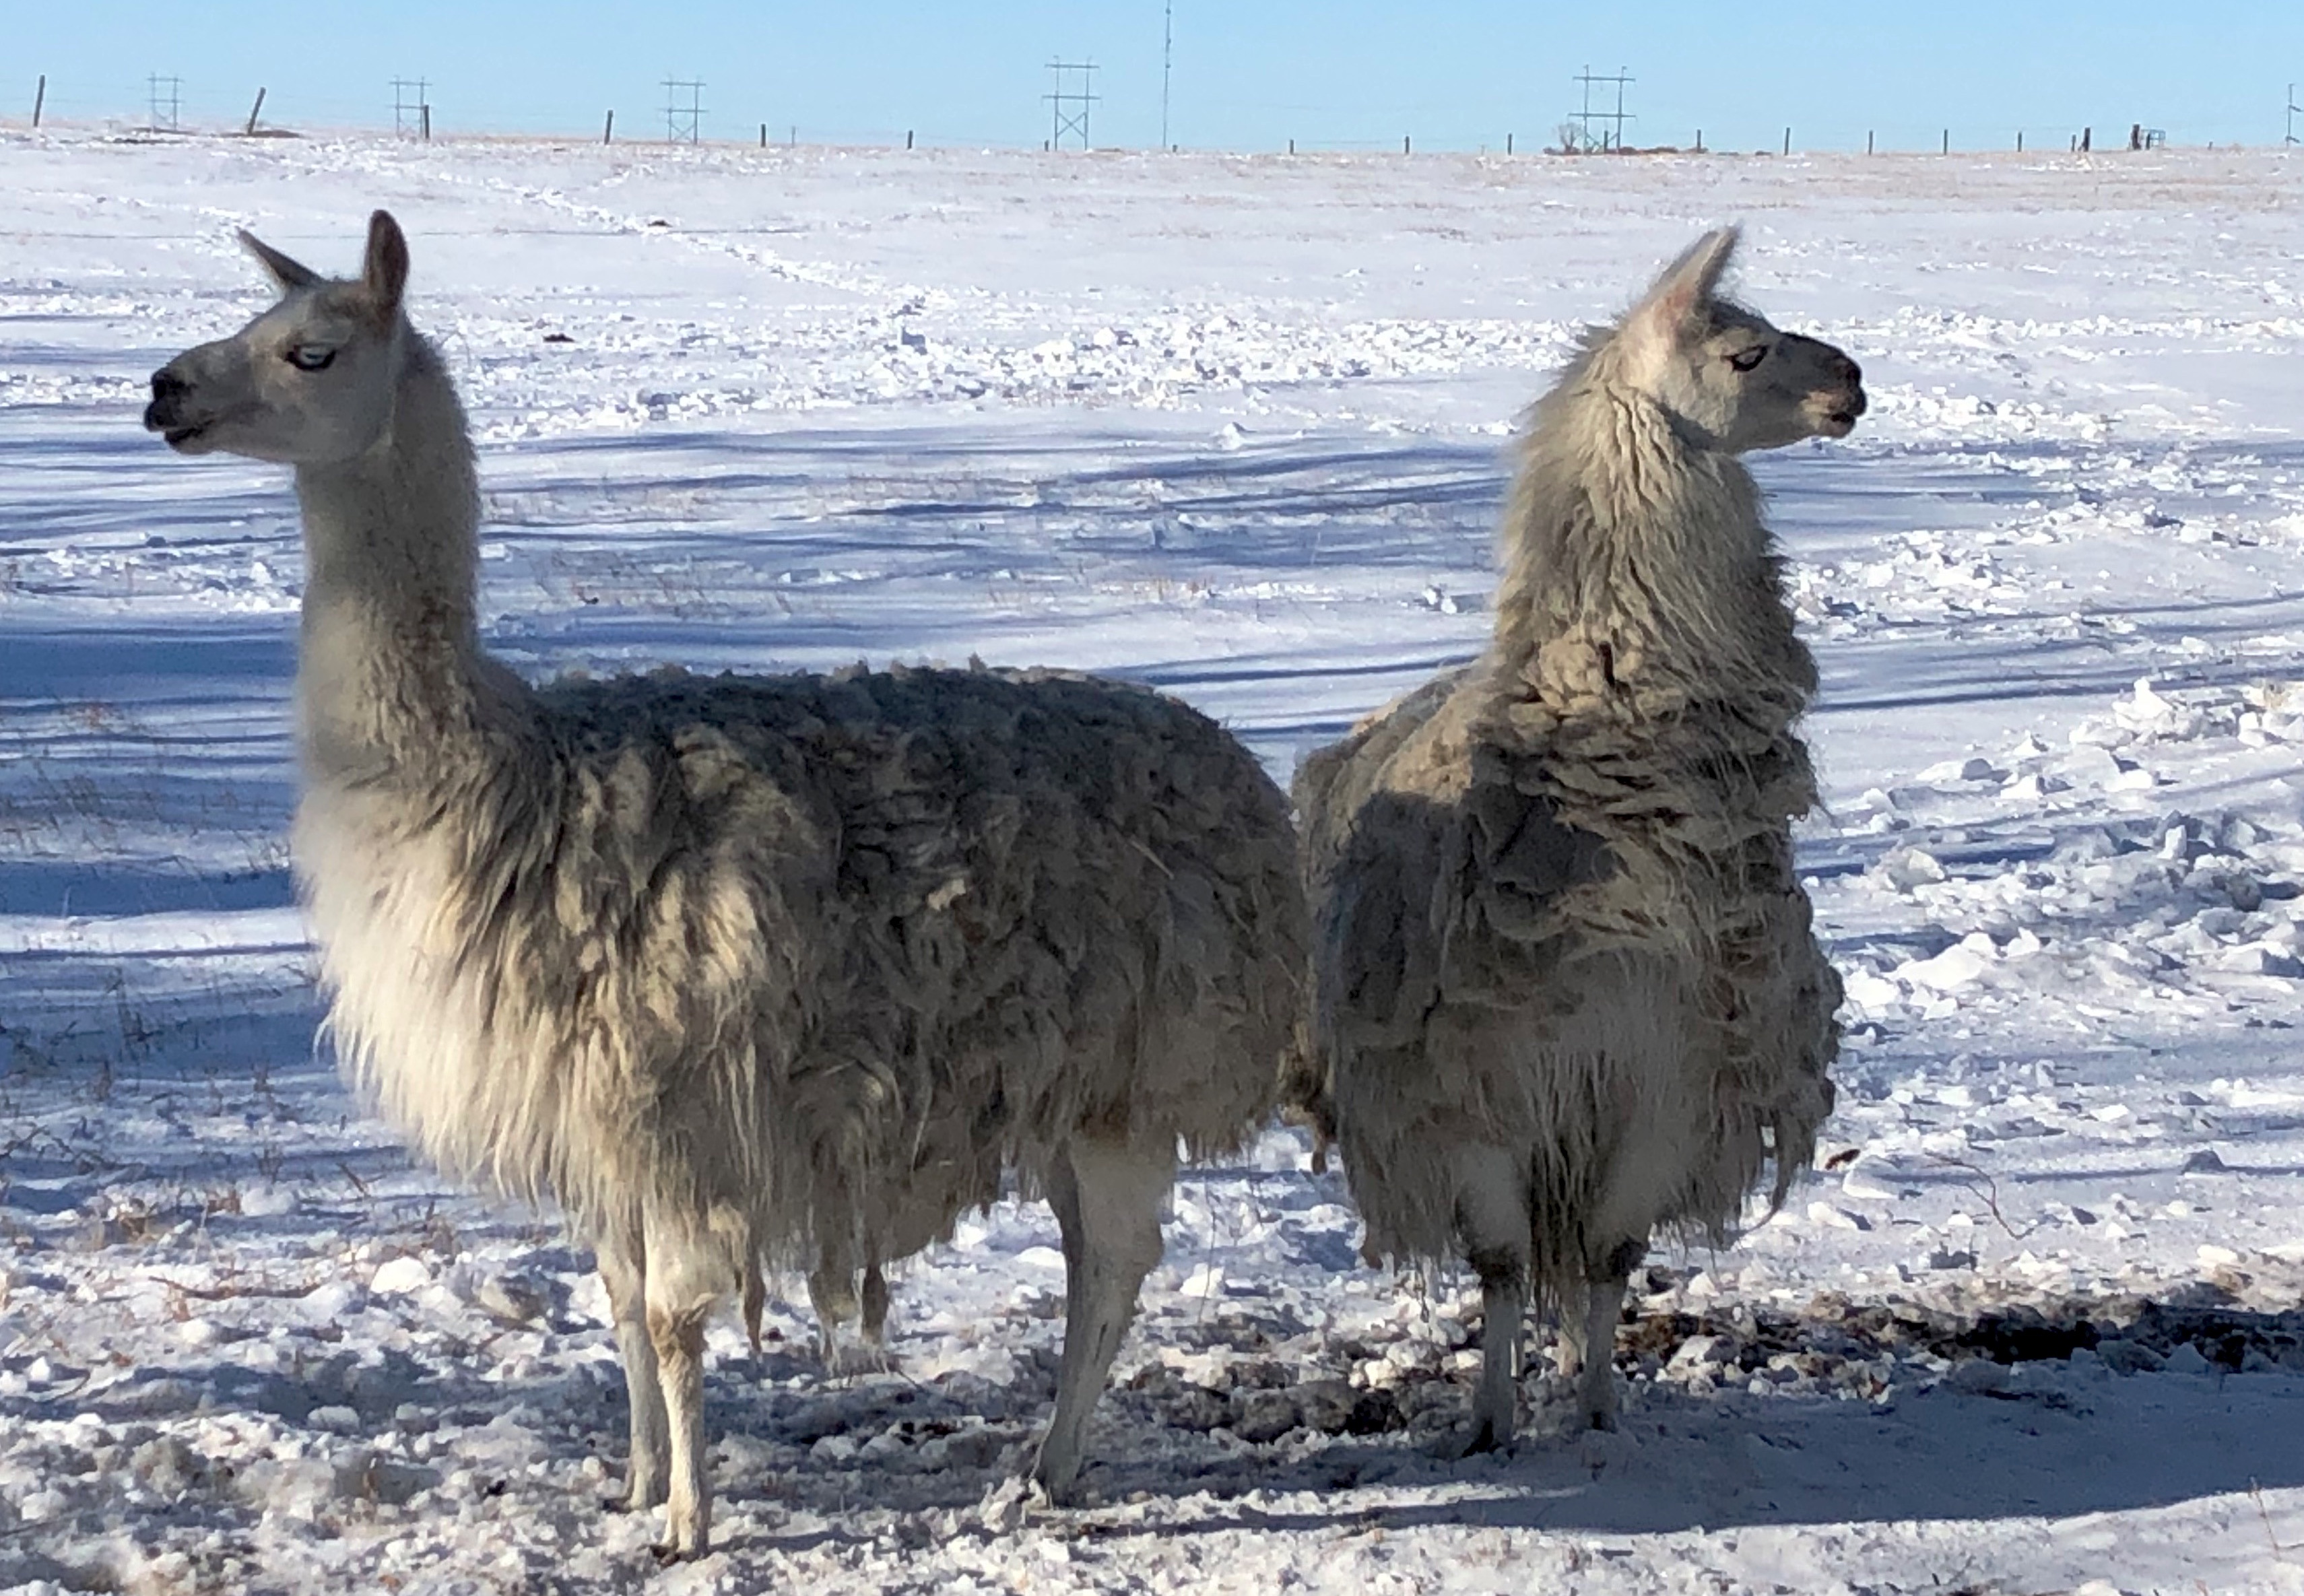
x=167, y=390
x=1848, y=370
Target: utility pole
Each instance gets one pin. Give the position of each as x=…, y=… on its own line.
x=166, y=92
x=683, y=124
x=410, y=116
x=1168, y=58
x=1613, y=138
x=1074, y=119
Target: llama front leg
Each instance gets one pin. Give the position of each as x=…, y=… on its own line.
x=683, y=1281
x=1596, y=1345
x=623, y=1259
x=1107, y=1199
x=1492, y=1216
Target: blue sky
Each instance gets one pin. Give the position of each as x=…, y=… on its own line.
x=1250, y=74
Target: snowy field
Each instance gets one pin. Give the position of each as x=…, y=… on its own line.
x=1232, y=426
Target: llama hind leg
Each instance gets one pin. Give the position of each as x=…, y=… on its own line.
x=874, y=1307
x=683, y=1281
x=623, y=1259
x=1107, y=1199
x=832, y=1296
x=1493, y=1218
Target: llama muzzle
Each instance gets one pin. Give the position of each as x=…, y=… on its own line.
x=169, y=413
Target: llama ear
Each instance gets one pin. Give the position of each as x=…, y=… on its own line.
x=290, y=274
x=1686, y=286
x=384, y=272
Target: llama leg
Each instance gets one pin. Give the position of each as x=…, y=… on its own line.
x=876, y=1307
x=1107, y=1199
x=623, y=1272
x=1604, y=1308
x=683, y=1283
x=1492, y=1215
x=756, y=1298
x=832, y=1294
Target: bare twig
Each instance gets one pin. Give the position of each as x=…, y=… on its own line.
x=1988, y=1193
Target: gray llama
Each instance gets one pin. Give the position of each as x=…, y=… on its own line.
x=1565, y=990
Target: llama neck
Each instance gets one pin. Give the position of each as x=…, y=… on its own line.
x=390, y=667
x=1637, y=572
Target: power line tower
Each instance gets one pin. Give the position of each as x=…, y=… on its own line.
x=1068, y=111
x=683, y=124
x=1612, y=136
x=168, y=100
x=1168, y=57
x=412, y=108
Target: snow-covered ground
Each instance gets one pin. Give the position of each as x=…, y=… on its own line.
x=1232, y=426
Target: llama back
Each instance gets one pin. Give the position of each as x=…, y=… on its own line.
x=931, y=921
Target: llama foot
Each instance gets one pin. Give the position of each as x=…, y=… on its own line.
x=1471, y=1440
x=1041, y=1495
x=863, y=1357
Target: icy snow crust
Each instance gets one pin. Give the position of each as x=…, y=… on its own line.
x=1231, y=427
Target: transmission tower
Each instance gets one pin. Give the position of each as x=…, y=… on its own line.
x=168, y=100
x=1168, y=57
x=683, y=124
x=412, y=108
x=1068, y=111
x=1611, y=137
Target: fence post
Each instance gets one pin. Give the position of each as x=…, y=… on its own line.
x=908, y=137
x=1699, y=142
x=1948, y=141
x=425, y=113
x=252, y=111
x=1867, y=141
x=1788, y=141
x=1403, y=144
x=608, y=128
x=764, y=135
x=1508, y=148
x=39, y=98
x=2019, y=141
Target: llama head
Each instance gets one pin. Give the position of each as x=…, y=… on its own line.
x=1730, y=380
x=311, y=381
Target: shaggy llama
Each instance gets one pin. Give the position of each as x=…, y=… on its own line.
x=740, y=969
x=1565, y=992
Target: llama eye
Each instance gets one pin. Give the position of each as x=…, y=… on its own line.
x=1744, y=359
x=310, y=357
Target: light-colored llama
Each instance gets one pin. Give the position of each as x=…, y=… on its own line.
x=1565, y=989
x=784, y=967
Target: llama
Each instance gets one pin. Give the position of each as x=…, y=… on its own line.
x=1565, y=992
x=779, y=967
